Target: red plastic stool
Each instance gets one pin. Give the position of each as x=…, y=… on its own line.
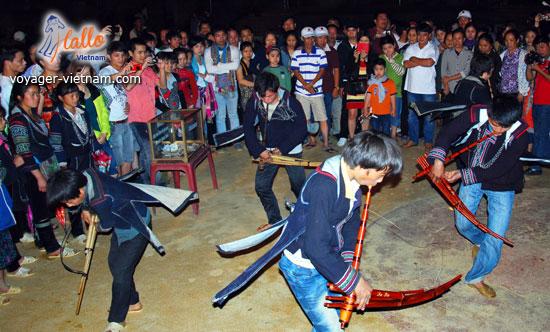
x=189, y=169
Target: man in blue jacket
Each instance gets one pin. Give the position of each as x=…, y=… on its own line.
x=318, y=239
x=283, y=128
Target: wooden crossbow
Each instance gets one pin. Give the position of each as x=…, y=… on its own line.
x=379, y=298
x=450, y=194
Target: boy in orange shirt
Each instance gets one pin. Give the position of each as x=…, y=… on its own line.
x=379, y=100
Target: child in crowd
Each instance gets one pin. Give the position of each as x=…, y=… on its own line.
x=246, y=73
x=187, y=85
x=394, y=71
x=168, y=98
x=380, y=99
x=283, y=74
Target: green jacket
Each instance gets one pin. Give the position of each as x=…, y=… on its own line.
x=97, y=111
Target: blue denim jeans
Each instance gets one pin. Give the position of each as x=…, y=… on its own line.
x=264, y=186
x=327, y=97
x=541, y=120
x=396, y=120
x=141, y=135
x=122, y=143
x=499, y=210
x=381, y=124
x=414, y=121
x=227, y=107
x=310, y=288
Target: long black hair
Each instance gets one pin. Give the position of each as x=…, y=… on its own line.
x=18, y=90
x=63, y=186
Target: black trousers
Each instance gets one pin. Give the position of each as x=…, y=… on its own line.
x=264, y=186
x=41, y=215
x=123, y=260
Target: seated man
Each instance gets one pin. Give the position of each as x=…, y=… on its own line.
x=283, y=129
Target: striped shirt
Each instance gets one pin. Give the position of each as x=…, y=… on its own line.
x=309, y=65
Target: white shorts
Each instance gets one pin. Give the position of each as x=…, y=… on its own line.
x=315, y=105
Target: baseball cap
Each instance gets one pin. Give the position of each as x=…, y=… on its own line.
x=464, y=13
x=19, y=36
x=321, y=31
x=307, y=32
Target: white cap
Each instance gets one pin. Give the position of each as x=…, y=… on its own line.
x=307, y=32
x=321, y=31
x=19, y=36
x=464, y=13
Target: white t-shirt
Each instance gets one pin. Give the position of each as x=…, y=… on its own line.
x=115, y=96
x=420, y=79
x=6, y=85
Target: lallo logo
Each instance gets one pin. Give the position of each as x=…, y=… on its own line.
x=59, y=37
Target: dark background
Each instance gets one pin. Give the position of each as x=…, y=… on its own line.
x=262, y=15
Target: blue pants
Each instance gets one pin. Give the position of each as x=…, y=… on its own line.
x=541, y=120
x=227, y=107
x=327, y=97
x=381, y=124
x=396, y=120
x=414, y=120
x=141, y=134
x=310, y=288
x=499, y=210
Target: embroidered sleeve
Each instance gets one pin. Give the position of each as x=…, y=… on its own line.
x=20, y=136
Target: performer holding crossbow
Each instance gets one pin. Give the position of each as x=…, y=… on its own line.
x=283, y=128
x=491, y=169
x=121, y=207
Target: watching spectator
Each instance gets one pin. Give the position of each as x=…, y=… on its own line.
x=463, y=18
x=455, y=63
x=485, y=47
x=540, y=72
x=379, y=30
x=308, y=65
x=394, y=71
x=222, y=61
x=233, y=37
x=420, y=59
x=281, y=72
x=512, y=72
x=13, y=64
x=331, y=76
x=174, y=41
x=470, y=33
x=187, y=86
x=246, y=74
x=333, y=38
x=291, y=43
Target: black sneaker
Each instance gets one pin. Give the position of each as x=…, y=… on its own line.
x=533, y=171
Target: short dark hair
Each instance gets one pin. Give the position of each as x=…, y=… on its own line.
x=542, y=39
x=64, y=88
x=177, y=51
x=266, y=82
x=167, y=56
x=246, y=44
x=171, y=34
x=147, y=37
x=379, y=62
x=8, y=54
x=63, y=186
x=380, y=12
x=387, y=40
x=487, y=37
x=217, y=28
x=135, y=42
x=514, y=32
x=369, y=150
x=116, y=46
x=424, y=27
x=506, y=110
x=480, y=64
x=459, y=30
x=246, y=27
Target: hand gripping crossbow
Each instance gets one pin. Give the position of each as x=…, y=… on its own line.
x=379, y=298
x=450, y=194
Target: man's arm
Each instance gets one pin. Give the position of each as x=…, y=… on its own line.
x=254, y=146
x=297, y=129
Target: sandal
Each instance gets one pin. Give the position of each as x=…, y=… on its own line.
x=67, y=252
x=329, y=149
x=311, y=145
x=28, y=260
x=11, y=290
x=21, y=272
x=135, y=308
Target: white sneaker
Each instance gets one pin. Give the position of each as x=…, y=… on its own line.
x=28, y=260
x=21, y=272
x=27, y=238
x=341, y=142
x=114, y=327
x=81, y=239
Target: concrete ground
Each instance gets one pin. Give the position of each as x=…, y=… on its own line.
x=411, y=244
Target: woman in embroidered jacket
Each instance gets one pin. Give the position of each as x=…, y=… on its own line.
x=29, y=135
